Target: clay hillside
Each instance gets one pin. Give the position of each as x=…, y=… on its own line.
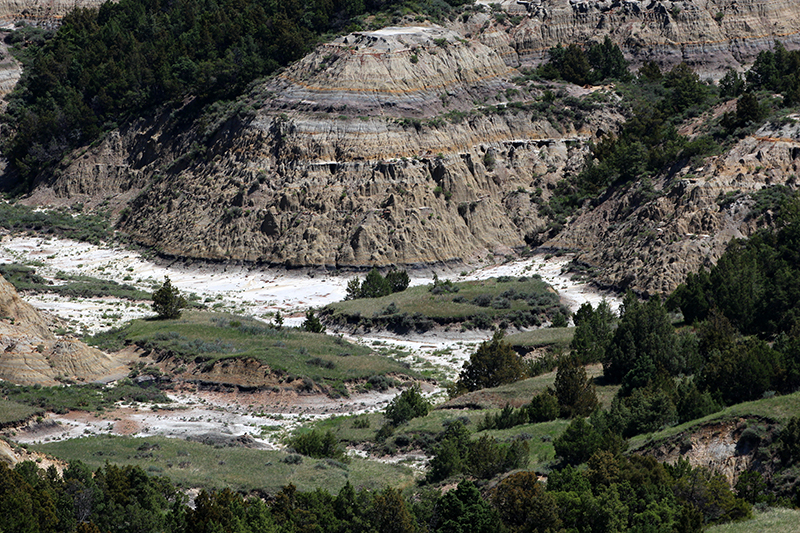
x=424, y=144
x=33, y=355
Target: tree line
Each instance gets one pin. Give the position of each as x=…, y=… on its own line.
x=612, y=494
x=108, y=65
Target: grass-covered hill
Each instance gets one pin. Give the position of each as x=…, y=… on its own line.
x=218, y=347
x=505, y=302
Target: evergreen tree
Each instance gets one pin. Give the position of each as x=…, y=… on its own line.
x=375, y=285
x=644, y=331
x=594, y=330
x=575, y=392
x=312, y=323
x=494, y=363
x=407, y=405
x=167, y=301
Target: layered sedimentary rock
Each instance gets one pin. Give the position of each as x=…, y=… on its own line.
x=649, y=240
x=401, y=71
x=329, y=163
x=30, y=354
x=41, y=10
x=413, y=146
x=710, y=35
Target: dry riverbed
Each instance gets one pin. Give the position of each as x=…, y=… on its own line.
x=257, y=292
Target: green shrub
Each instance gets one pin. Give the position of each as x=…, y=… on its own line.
x=494, y=363
x=317, y=444
x=312, y=323
x=407, y=405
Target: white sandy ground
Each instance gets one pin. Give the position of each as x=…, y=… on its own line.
x=257, y=292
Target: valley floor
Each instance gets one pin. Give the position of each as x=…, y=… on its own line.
x=257, y=292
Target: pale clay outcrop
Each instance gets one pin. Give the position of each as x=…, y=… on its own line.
x=333, y=164
x=30, y=354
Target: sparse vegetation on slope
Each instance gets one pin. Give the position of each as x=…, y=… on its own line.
x=191, y=464
x=504, y=301
x=25, y=278
x=287, y=354
x=89, y=397
x=68, y=223
x=14, y=412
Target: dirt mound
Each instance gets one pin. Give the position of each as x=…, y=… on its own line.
x=728, y=446
x=30, y=354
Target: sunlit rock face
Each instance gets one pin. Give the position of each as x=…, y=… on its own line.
x=710, y=35
x=30, y=354
x=397, y=146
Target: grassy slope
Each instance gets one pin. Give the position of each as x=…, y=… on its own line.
x=443, y=309
x=11, y=412
x=776, y=520
x=191, y=464
x=539, y=436
x=519, y=393
x=779, y=408
x=541, y=338
x=24, y=278
x=211, y=337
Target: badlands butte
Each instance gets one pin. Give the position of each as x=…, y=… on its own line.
x=417, y=144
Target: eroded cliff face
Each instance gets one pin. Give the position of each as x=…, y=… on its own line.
x=30, y=354
x=41, y=10
x=329, y=164
x=649, y=239
x=413, y=146
x=709, y=35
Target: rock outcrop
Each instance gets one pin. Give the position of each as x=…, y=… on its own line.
x=728, y=447
x=413, y=146
x=650, y=239
x=329, y=164
x=709, y=35
x=41, y=10
x=30, y=354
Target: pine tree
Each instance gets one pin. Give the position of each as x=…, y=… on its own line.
x=312, y=323
x=167, y=301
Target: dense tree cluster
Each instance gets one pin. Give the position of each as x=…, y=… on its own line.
x=754, y=284
x=483, y=458
x=494, y=363
x=776, y=71
x=648, y=142
x=375, y=285
x=614, y=493
x=602, y=61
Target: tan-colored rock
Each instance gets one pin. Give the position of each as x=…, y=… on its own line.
x=651, y=245
x=710, y=35
x=16, y=312
x=334, y=168
x=406, y=146
x=41, y=10
x=30, y=354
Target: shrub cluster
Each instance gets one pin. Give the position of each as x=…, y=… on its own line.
x=483, y=458
x=375, y=285
x=407, y=405
x=317, y=444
